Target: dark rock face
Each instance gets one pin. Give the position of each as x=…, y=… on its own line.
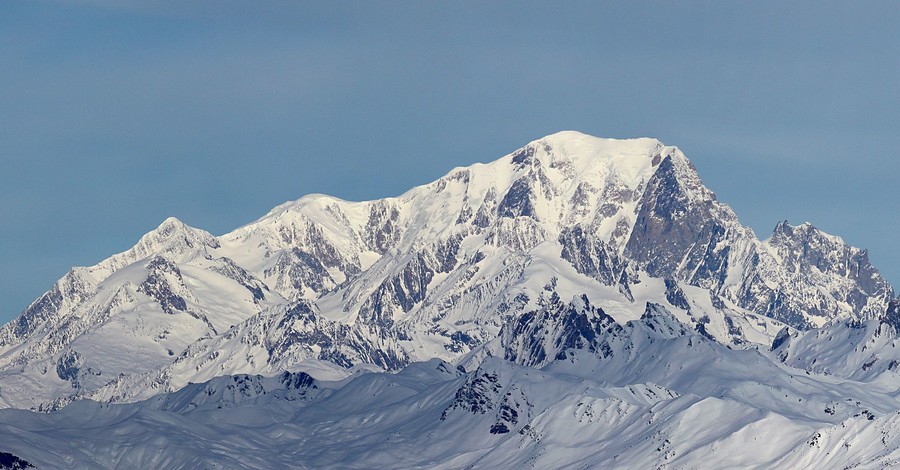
x=580, y=199
x=756, y=295
x=716, y=301
x=782, y=338
x=297, y=380
x=159, y=288
x=403, y=290
x=811, y=250
x=306, y=264
x=518, y=201
x=445, y=254
x=301, y=270
x=68, y=368
x=479, y=394
x=734, y=329
x=682, y=233
x=383, y=230
x=301, y=328
x=892, y=315
x=666, y=226
x=807, y=247
x=626, y=279
x=484, y=215
x=661, y=321
x=236, y=390
x=11, y=462
x=707, y=261
x=245, y=385
x=499, y=428
x=819, y=271
x=514, y=407
x=781, y=308
x=300, y=325
x=671, y=226
x=675, y=295
x=408, y=287
x=549, y=333
x=590, y=256
x=486, y=392
x=524, y=156
x=460, y=341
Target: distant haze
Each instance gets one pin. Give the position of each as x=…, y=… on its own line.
x=117, y=114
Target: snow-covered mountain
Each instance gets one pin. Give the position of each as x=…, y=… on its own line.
x=325, y=284
x=649, y=393
x=578, y=303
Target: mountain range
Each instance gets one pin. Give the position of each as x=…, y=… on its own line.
x=581, y=302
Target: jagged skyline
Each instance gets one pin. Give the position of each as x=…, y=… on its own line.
x=118, y=115
x=580, y=301
x=435, y=272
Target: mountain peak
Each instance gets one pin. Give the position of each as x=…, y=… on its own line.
x=584, y=150
x=571, y=138
x=804, y=232
x=171, y=224
x=444, y=268
x=173, y=228
x=171, y=238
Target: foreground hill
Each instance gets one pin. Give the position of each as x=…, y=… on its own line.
x=650, y=393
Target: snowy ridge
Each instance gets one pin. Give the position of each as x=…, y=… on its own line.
x=129, y=314
x=442, y=271
x=658, y=400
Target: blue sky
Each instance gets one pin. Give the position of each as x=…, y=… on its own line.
x=117, y=114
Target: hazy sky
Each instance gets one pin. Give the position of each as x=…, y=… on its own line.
x=116, y=114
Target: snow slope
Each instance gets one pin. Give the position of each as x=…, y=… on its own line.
x=658, y=395
x=438, y=272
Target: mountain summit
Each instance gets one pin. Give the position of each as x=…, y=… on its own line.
x=578, y=303
x=442, y=271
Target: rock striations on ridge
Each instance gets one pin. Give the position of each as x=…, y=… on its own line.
x=567, y=238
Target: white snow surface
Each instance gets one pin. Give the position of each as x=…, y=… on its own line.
x=571, y=229
x=664, y=397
